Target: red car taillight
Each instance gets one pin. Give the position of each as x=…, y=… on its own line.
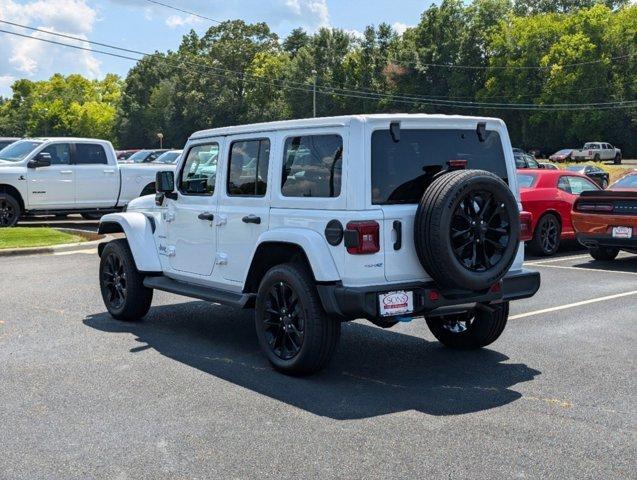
x=362, y=237
x=526, y=226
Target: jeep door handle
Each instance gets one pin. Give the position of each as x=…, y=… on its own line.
x=251, y=219
x=206, y=216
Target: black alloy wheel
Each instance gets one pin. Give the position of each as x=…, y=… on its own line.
x=480, y=230
x=9, y=212
x=114, y=281
x=549, y=235
x=284, y=321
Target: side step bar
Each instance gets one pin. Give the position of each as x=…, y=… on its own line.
x=209, y=294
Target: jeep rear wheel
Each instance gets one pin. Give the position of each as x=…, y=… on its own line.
x=470, y=330
x=9, y=211
x=122, y=286
x=467, y=230
x=293, y=330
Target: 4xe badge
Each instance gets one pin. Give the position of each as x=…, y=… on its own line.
x=396, y=303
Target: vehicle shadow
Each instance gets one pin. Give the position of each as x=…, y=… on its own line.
x=627, y=264
x=375, y=372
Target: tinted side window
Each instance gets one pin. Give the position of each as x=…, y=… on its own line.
x=579, y=185
x=248, y=169
x=199, y=173
x=89, y=154
x=60, y=153
x=312, y=166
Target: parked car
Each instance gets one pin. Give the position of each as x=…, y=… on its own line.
x=598, y=151
x=599, y=176
x=171, y=157
x=6, y=141
x=627, y=182
x=564, y=155
x=549, y=195
x=606, y=222
x=123, y=155
x=145, y=156
x=284, y=224
x=548, y=166
x=524, y=160
x=67, y=175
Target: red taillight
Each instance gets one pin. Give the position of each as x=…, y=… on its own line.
x=362, y=237
x=526, y=226
x=433, y=295
x=593, y=207
x=457, y=164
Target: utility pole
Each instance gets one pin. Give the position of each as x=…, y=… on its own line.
x=161, y=140
x=314, y=72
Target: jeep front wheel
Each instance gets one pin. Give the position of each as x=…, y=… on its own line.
x=9, y=211
x=470, y=330
x=122, y=286
x=293, y=330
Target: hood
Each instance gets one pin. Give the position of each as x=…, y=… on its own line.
x=145, y=203
x=10, y=168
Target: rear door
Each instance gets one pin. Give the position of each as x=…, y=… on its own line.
x=402, y=170
x=53, y=187
x=244, y=207
x=97, y=176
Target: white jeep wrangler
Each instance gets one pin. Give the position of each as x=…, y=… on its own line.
x=314, y=222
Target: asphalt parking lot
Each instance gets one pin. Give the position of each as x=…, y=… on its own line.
x=187, y=394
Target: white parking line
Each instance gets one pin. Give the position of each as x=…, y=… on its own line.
x=73, y=252
x=572, y=305
x=554, y=260
x=565, y=267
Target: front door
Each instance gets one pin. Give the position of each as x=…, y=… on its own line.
x=190, y=220
x=53, y=187
x=244, y=211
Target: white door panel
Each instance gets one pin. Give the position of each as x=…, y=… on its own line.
x=53, y=187
x=97, y=182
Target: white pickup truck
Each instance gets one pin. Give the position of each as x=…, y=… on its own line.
x=68, y=175
x=597, y=151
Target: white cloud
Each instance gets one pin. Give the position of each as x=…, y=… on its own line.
x=5, y=85
x=175, y=21
x=33, y=58
x=356, y=34
x=401, y=27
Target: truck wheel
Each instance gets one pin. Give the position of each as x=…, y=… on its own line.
x=122, y=286
x=618, y=159
x=604, y=254
x=467, y=230
x=293, y=330
x=546, y=238
x=470, y=330
x=596, y=157
x=9, y=211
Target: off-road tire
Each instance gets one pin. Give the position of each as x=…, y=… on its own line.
x=432, y=229
x=320, y=332
x=604, y=254
x=538, y=244
x=10, y=211
x=484, y=329
x=138, y=298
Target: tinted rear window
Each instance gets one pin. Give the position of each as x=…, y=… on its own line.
x=401, y=171
x=90, y=154
x=526, y=180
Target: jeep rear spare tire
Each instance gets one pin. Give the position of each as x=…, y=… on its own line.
x=467, y=230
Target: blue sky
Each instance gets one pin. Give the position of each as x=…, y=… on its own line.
x=144, y=26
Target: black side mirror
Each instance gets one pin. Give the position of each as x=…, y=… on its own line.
x=165, y=186
x=42, y=159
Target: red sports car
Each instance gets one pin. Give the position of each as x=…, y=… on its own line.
x=549, y=195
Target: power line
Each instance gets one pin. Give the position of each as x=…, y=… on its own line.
x=341, y=92
x=194, y=14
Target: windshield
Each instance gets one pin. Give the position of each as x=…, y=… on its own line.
x=401, y=171
x=574, y=168
x=139, y=157
x=629, y=181
x=591, y=146
x=168, y=157
x=563, y=152
x=18, y=151
x=526, y=180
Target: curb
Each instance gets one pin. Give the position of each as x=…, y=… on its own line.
x=94, y=240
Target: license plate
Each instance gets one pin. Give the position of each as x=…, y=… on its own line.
x=622, y=232
x=396, y=303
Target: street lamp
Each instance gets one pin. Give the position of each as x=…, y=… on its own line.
x=314, y=72
x=161, y=140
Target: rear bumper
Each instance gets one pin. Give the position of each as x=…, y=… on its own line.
x=596, y=240
x=362, y=302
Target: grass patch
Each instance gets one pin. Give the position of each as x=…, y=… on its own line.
x=615, y=171
x=22, y=237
